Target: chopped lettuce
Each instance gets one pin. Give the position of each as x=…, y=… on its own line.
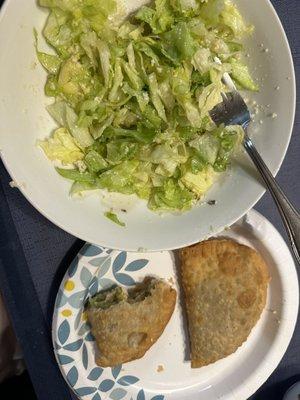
x=172, y=196
x=199, y=183
x=114, y=218
x=240, y=73
x=61, y=147
x=132, y=96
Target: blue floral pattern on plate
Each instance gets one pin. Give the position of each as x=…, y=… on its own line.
x=95, y=268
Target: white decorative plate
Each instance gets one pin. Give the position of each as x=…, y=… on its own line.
x=164, y=373
x=24, y=119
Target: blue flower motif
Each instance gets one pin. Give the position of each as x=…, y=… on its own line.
x=85, y=357
x=85, y=277
x=124, y=279
x=57, y=346
x=63, y=359
x=136, y=265
x=91, y=250
x=96, y=397
x=61, y=299
x=118, y=394
x=98, y=262
x=116, y=370
x=93, y=286
x=119, y=261
x=104, y=268
x=75, y=346
x=84, y=391
x=73, y=267
x=141, y=395
x=127, y=380
x=83, y=329
x=95, y=373
x=77, y=320
x=63, y=332
x=106, y=385
x=89, y=337
x=77, y=299
x=72, y=376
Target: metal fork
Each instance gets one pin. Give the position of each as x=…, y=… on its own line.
x=234, y=111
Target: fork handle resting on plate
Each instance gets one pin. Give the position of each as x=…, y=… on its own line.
x=290, y=216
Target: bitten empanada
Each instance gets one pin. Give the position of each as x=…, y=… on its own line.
x=225, y=285
x=126, y=324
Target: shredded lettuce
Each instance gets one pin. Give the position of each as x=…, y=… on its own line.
x=132, y=96
x=114, y=218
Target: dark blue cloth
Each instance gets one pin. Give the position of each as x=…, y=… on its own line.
x=44, y=252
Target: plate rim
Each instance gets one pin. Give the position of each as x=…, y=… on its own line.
x=285, y=331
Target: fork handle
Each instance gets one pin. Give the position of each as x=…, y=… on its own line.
x=290, y=216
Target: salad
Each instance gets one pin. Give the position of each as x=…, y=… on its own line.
x=132, y=95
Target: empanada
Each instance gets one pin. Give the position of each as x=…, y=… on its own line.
x=126, y=324
x=225, y=287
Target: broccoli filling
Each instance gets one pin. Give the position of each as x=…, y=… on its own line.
x=116, y=295
x=108, y=298
x=141, y=291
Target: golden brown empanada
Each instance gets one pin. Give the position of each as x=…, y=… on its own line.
x=126, y=324
x=225, y=287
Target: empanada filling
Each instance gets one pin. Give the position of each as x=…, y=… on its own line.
x=116, y=295
x=108, y=297
x=141, y=291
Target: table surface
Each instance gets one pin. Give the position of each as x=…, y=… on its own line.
x=48, y=250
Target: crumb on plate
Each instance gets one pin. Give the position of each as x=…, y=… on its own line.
x=171, y=280
x=160, y=368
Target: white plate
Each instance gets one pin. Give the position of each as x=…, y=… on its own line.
x=233, y=378
x=23, y=119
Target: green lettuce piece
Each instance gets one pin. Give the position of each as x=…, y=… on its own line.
x=160, y=19
x=142, y=134
x=207, y=147
x=114, y=218
x=94, y=161
x=147, y=14
x=119, y=150
x=192, y=113
x=199, y=183
x=132, y=75
x=170, y=197
x=119, y=178
x=167, y=157
x=105, y=56
x=179, y=42
x=211, y=10
x=164, y=14
x=209, y=97
x=81, y=134
x=240, y=73
x=144, y=48
x=80, y=188
x=76, y=175
x=186, y=7
x=61, y=147
x=202, y=60
x=155, y=97
x=229, y=138
x=232, y=18
x=50, y=62
x=141, y=96
x=57, y=111
x=117, y=81
x=166, y=95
